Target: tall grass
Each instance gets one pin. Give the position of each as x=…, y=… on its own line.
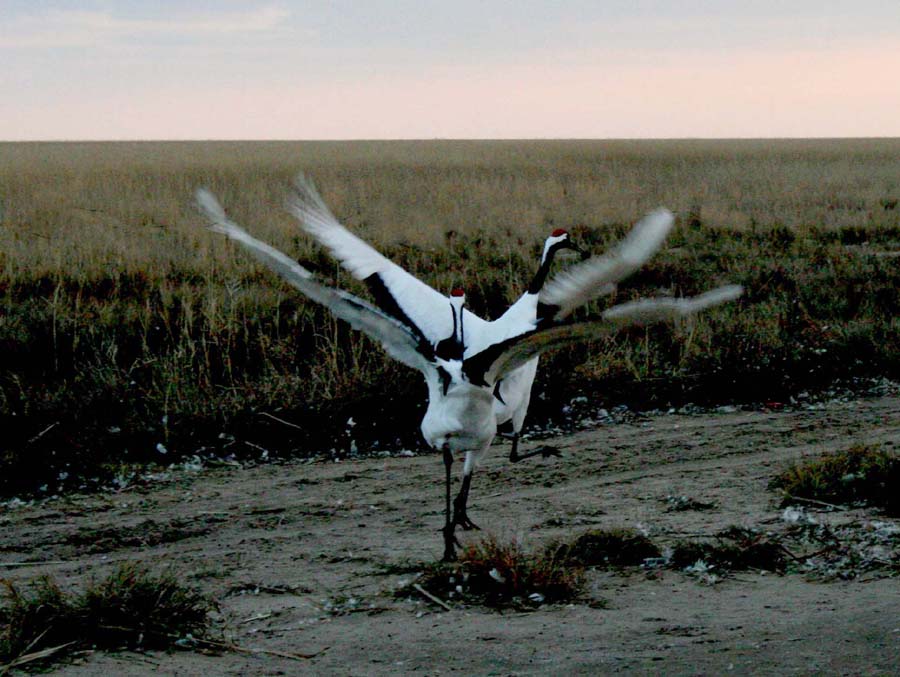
x=126, y=329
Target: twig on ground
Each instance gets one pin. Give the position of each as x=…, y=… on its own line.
x=255, y=446
x=42, y=433
x=267, y=652
x=280, y=420
x=31, y=564
x=257, y=617
x=813, y=501
x=434, y=599
x=32, y=657
x=787, y=552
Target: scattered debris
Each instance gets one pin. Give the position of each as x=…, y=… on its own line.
x=685, y=503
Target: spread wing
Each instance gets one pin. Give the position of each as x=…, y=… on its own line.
x=491, y=364
x=397, y=292
x=400, y=341
x=585, y=281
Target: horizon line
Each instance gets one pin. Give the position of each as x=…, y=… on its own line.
x=458, y=139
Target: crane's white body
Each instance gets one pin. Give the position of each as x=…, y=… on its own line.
x=460, y=420
x=513, y=394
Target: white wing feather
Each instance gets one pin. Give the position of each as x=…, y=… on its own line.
x=637, y=313
x=585, y=281
x=648, y=311
x=398, y=341
x=427, y=308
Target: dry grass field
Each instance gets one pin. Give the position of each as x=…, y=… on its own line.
x=127, y=330
x=137, y=349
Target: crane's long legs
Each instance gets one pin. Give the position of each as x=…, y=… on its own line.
x=449, y=526
x=460, y=516
x=545, y=451
x=455, y=514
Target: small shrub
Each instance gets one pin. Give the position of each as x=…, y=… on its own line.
x=613, y=547
x=500, y=574
x=32, y=622
x=862, y=474
x=130, y=608
x=735, y=549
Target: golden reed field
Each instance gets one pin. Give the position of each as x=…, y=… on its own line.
x=126, y=326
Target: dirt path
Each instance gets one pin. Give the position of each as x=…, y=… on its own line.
x=298, y=556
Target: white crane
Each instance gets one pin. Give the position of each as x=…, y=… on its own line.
x=461, y=360
x=404, y=297
x=512, y=394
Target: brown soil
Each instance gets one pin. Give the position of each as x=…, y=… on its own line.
x=305, y=557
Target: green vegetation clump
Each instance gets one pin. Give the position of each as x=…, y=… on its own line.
x=131, y=608
x=499, y=574
x=130, y=335
x=862, y=474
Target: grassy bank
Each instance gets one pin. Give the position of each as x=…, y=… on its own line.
x=128, y=334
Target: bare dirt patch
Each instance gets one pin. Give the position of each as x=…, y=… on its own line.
x=306, y=557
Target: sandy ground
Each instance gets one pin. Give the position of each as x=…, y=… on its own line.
x=305, y=557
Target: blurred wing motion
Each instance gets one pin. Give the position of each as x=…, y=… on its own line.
x=499, y=359
x=397, y=292
x=648, y=311
x=585, y=281
x=400, y=341
x=411, y=340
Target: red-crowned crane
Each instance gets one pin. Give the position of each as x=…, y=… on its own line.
x=461, y=356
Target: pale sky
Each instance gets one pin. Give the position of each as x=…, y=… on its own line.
x=381, y=69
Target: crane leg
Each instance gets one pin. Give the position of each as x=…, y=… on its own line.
x=460, y=516
x=450, y=541
x=545, y=451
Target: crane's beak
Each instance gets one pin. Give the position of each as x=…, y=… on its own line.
x=583, y=253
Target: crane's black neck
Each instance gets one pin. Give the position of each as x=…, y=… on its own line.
x=537, y=282
x=453, y=347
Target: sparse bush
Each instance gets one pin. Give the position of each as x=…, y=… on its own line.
x=608, y=547
x=735, y=548
x=498, y=574
x=132, y=608
x=862, y=474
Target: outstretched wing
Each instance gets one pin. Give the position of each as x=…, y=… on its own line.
x=399, y=341
x=648, y=311
x=491, y=364
x=396, y=292
x=585, y=281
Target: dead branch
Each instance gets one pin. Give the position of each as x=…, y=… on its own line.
x=434, y=599
x=813, y=501
x=280, y=420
